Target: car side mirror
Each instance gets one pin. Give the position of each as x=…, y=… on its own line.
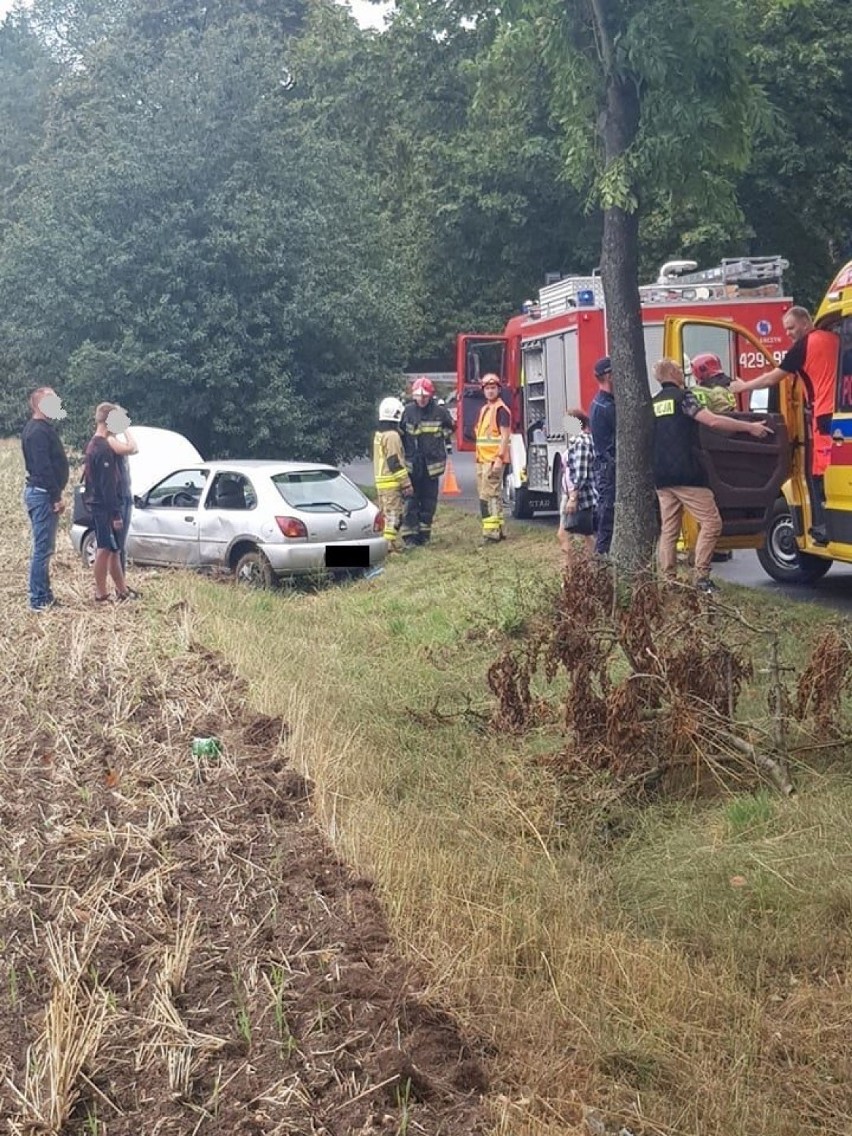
x=139, y=502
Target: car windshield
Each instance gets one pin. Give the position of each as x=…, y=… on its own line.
x=319, y=490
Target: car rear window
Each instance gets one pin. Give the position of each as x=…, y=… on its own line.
x=319, y=490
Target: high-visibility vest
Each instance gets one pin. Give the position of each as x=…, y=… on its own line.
x=387, y=445
x=489, y=440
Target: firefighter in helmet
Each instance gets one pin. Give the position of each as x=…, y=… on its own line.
x=392, y=480
x=712, y=389
x=427, y=430
x=492, y=455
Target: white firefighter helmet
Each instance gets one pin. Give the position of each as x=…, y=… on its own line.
x=390, y=410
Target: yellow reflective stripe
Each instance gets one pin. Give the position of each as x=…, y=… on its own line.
x=664, y=408
x=387, y=481
x=426, y=428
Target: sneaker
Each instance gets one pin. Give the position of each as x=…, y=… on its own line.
x=706, y=585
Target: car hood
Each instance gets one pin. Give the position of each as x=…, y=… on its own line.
x=160, y=453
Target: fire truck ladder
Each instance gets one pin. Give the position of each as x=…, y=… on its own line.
x=745, y=277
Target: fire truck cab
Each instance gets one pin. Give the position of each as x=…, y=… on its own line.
x=545, y=356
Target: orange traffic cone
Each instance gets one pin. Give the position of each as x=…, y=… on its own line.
x=449, y=486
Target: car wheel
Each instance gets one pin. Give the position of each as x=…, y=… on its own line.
x=780, y=557
x=88, y=548
x=254, y=570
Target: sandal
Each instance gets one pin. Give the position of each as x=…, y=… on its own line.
x=129, y=594
x=103, y=599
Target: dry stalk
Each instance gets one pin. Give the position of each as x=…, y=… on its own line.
x=180, y=1048
x=74, y=1025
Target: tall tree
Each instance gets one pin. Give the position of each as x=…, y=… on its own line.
x=473, y=192
x=797, y=191
x=195, y=246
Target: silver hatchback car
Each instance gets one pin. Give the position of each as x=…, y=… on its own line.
x=261, y=520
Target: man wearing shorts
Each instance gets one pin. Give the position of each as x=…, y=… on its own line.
x=102, y=492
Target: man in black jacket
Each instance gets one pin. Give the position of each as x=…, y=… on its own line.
x=679, y=476
x=47, y=476
x=426, y=428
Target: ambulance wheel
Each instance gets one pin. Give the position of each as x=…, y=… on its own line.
x=518, y=500
x=780, y=557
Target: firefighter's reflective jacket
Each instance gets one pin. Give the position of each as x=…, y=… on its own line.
x=715, y=396
x=426, y=432
x=490, y=443
x=389, y=459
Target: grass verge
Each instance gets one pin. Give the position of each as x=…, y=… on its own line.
x=639, y=976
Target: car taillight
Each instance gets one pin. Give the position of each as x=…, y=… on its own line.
x=291, y=526
x=379, y=523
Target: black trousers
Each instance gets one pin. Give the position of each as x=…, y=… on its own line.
x=420, y=507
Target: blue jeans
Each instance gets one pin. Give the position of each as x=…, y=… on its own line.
x=44, y=523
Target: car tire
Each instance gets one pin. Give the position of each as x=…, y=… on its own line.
x=253, y=570
x=88, y=548
x=780, y=557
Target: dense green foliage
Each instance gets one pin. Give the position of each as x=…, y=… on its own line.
x=244, y=219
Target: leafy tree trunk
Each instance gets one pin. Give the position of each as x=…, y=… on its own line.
x=635, y=516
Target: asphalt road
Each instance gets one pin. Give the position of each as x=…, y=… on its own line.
x=833, y=590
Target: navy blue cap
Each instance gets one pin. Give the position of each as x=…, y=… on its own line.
x=603, y=367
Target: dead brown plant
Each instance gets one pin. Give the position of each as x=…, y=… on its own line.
x=653, y=681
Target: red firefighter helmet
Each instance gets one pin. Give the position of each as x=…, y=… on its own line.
x=705, y=366
x=423, y=386
x=490, y=380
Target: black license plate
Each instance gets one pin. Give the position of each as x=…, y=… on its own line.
x=347, y=556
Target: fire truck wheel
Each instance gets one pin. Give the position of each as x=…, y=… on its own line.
x=780, y=557
x=518, y=499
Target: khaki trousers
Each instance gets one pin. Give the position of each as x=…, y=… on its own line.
x=702, y=505
x=391, y=503
x=489, y=488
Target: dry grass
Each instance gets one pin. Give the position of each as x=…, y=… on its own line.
x=179, y=950
x=583, y=941
x=681, y=968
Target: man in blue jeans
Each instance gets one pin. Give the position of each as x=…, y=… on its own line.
x=47, y=476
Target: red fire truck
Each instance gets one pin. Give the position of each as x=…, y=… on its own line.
x=545, y=356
